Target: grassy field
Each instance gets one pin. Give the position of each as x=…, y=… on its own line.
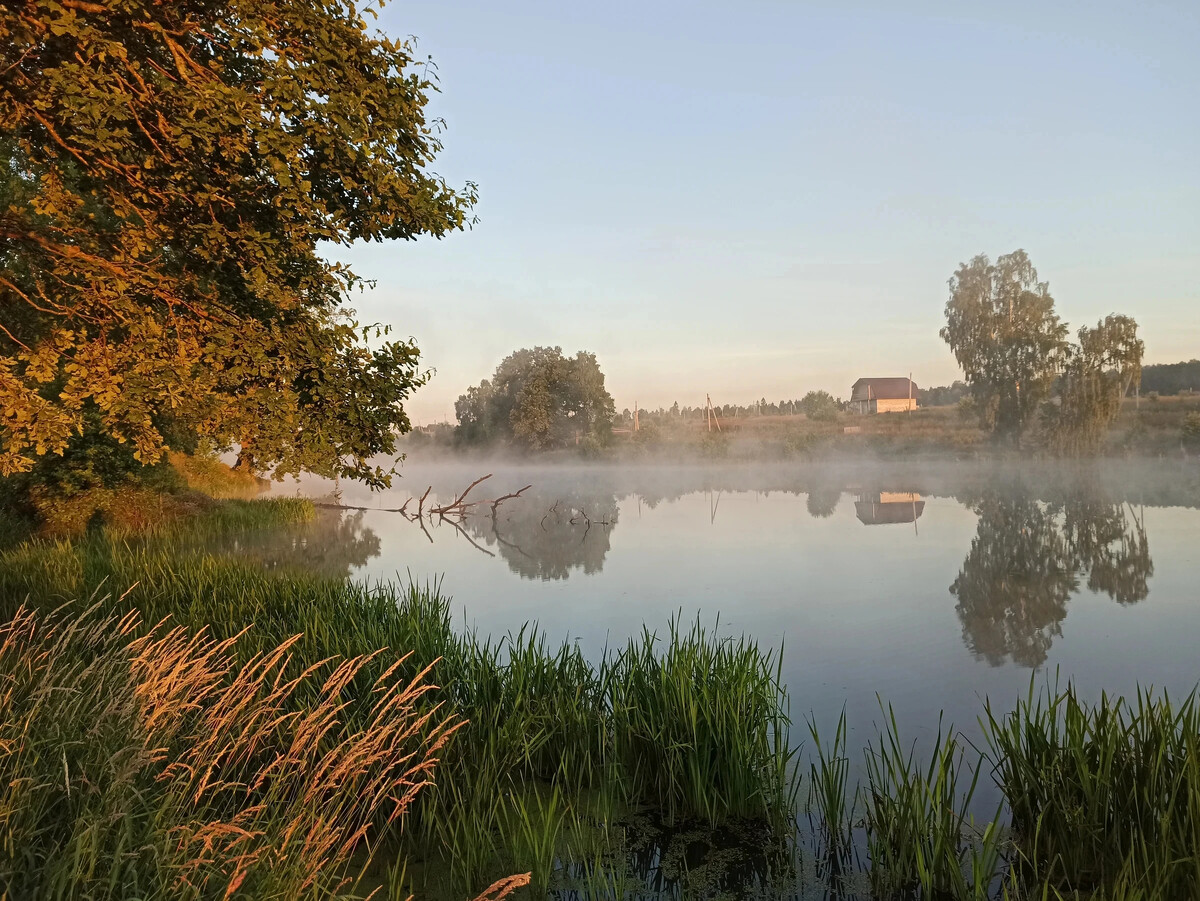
x=1151, y=427
x=179, y=724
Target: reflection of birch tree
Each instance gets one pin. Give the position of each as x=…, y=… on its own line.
x=1026, y=561
x=1014, y=585
x=547, y=536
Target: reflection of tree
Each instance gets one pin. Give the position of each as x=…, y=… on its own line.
x=1025, y=563
x=332, y=544
x=822, y=501
x=1111, y=546
x=1014, y=585
x=546, y=536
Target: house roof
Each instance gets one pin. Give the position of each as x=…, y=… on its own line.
x=873, y=513
x=883, y=389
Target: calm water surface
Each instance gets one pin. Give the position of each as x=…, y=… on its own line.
x=929, y=587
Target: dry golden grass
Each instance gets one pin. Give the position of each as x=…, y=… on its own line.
x=208, y=475
x=239, y=786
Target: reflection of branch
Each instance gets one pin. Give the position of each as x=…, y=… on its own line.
x=421, y=522
x=515, y=547
x=464, y=534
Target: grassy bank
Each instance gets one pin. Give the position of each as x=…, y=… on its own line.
x=560, y=758
x=179, y=723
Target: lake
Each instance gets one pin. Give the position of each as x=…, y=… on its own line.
x=925, y=586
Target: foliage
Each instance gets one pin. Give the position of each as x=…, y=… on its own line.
x=1172, y=378
x=152, y=764
x=1002, y=328
x=819, y=406
x=1189, y=434
x=205, y=473
x=537, y=399
x=167, y=172
x=1099, y=371
x=693, y=724
x=943, y=395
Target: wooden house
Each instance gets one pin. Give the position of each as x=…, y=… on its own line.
x=888, y=395
x=888, y=508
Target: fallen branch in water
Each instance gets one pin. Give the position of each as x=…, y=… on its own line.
x=505, y=497
x=457, y=505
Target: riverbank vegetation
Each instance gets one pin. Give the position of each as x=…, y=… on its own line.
x=1150, y=427
x=685, y=727
x=665, y=768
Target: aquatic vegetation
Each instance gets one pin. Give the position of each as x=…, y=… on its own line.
x=1104, y=797
x=665, y=768
x=556, y=750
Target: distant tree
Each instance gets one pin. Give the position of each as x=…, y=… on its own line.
x=819, y=405
x=1189, y=433
x=538, y=399
x=1099, y=371
x=943, y=395
x=1002, y=328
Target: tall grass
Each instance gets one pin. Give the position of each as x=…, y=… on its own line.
x=150, y=764
x=277, y=728
x=1104, y=795
x=557, y=748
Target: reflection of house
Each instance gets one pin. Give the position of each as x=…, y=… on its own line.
x=883, y=395
x=886, y=507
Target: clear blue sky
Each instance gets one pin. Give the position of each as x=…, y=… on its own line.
x=761, y=198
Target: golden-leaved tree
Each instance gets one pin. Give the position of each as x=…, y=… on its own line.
x=168, y=173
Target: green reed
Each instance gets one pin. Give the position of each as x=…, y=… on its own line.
x=1105, y=797
x=563, y=757
x=692, y=726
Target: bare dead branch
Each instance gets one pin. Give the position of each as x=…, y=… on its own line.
x=505, y=497
x=457, y=503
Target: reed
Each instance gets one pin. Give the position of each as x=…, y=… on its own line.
x=600, y=778
x=556, y=748
x=1105, y=798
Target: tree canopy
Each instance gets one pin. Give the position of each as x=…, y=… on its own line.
x=1013, y=349
x=167, y=172
x=537, y=399
x=1002, y=328
x=819, y=406
x=1097, y=373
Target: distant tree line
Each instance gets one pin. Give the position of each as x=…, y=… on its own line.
x=818, y=405
x=1166, y=379
x=1171, y=378
x=943, y=395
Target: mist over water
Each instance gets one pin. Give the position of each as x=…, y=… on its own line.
x=927, y=586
